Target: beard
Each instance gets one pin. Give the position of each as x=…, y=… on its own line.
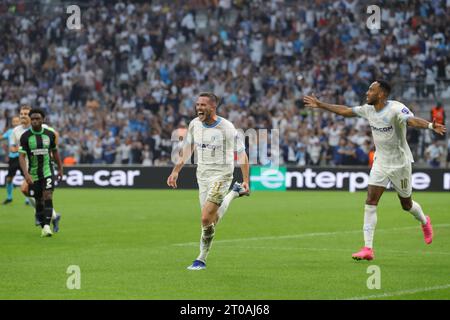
x=372, y=101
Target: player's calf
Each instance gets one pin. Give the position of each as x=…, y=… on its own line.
x=406, y=203
x=39, y=212
x=48, y=211
x=9, y=190
x=416, y=210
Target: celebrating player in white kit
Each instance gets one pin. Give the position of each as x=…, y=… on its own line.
x=388, y=120
x=216, y=140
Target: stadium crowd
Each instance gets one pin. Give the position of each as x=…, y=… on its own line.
x=118, y=88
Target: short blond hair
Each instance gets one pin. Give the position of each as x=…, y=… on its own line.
x=25, y=107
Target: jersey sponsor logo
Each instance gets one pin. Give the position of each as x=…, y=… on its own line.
x=208, y=146
x=385, y=129
x=39, y=152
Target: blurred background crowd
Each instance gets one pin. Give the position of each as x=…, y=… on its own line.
x=117, y=89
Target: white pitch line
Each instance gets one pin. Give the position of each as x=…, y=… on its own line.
x=335, y=249
x=304, y=235
x=400, y=293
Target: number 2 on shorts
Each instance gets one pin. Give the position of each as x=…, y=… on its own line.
x=49, y=183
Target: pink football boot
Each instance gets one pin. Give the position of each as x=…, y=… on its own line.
x=364, y=254
x=428, y=231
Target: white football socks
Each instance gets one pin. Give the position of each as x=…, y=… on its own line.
x=206, y=241
x=416, y=211
x=370, y=222
x=208, y=231
x=225, y=203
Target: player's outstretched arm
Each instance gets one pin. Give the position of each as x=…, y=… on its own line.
x=245, y=168
x=313, y=102
x=420, y=123
x=186, y=154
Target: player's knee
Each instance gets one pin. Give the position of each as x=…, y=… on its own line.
x=206, y=220
x=406, y=205
x=48, y=203
x=47, y=196
x=9, y=179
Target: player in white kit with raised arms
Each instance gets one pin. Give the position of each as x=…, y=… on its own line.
x=216, y=140
x=388, y=120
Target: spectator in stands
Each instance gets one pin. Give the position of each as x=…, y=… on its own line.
x=146, y=155
x=69, y=161
x=136, y=153
x=124, y=151
x=98, y=152
x=438, y=115
x=314, y=152
x=448, y=153
x=434, y=154
x=301, y=154
x=340, y=152
x=353, y=155
x=136, y=69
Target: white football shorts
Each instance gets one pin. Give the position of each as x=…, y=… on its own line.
x=214, y=189
x=399, y=177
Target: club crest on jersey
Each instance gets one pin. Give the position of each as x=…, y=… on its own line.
x=46, y=141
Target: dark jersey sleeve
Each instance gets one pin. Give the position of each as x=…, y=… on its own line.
x=52, y=141
x=24, y=147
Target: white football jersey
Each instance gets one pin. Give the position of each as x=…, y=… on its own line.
x=215, y=145
x=389, y=133
x=18, y=131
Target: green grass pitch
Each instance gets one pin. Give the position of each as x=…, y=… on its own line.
x=136, y=244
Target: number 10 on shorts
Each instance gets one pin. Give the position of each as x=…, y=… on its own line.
x=404, y=183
